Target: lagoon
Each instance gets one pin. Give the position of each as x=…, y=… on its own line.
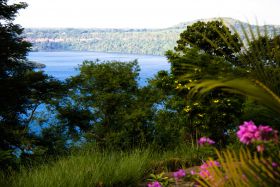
x=62, y=65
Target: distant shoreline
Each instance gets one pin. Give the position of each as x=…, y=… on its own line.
x=76, y=51
x=125, y=41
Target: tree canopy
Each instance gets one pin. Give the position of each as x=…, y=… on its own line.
x=105, y=105
x=21, y=87
x=203, y=51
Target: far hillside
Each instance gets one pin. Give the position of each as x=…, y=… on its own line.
x=137, y=41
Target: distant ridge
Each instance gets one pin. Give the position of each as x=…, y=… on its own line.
x=137, y=41
x=227, y=20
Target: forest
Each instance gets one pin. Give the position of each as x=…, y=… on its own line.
x=136, y=41
x=212, y=120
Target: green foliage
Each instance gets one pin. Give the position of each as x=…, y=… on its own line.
x=137, y=41
x=261, y=81
x=89, y=166
x=22, y=89
x=260, y=113
x=13, y=89
x=254, y=90
x=88, y=169
x=195, y=59
x=170, y=129
x=182, y=156
x=212, y=37
x=106, y=105
x=163, y=180
x=263, y=58
x=170, y=119
x=243, y=169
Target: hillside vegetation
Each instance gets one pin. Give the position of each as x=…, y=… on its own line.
x=219, y=99
x=137, y=41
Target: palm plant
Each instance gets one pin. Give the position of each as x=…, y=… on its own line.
x=255, y=74
x=259, y=62
x=243, y=169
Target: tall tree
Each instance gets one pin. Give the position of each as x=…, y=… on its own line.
x=21, y=88
x=13, y=68
x=212, y=37
x=203, y=51
x=106, y=105
x=261, y=82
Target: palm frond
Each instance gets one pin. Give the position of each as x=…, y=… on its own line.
x=262, y=80
x=242, y=169
x=255, y=90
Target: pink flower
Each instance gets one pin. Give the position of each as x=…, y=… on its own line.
x=265, y=132
x=154, y=184
x=274, y=164
x=251, y=127
x=247, y=132
x=204, y=166
x=192, y=172
x=179, y=174
x=247, y=137
x=257, y=135
x=204, y=173
x=204, y=140
x=210, y=163
x=265, y=128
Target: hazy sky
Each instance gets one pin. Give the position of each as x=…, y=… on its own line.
x=142, y=13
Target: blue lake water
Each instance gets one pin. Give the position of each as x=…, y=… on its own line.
x=62, y=65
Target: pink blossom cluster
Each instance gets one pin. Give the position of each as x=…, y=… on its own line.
x=204, y=140
x=204, y=172
x=154, y=184
x=210, y=163
x=179, y=174
x=248, y=132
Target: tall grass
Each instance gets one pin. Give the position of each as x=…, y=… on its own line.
x=92, y=167
x=87, y=169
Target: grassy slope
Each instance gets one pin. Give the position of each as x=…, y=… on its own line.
x=91, y=168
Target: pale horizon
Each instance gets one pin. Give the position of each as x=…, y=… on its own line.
x=142, y=14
